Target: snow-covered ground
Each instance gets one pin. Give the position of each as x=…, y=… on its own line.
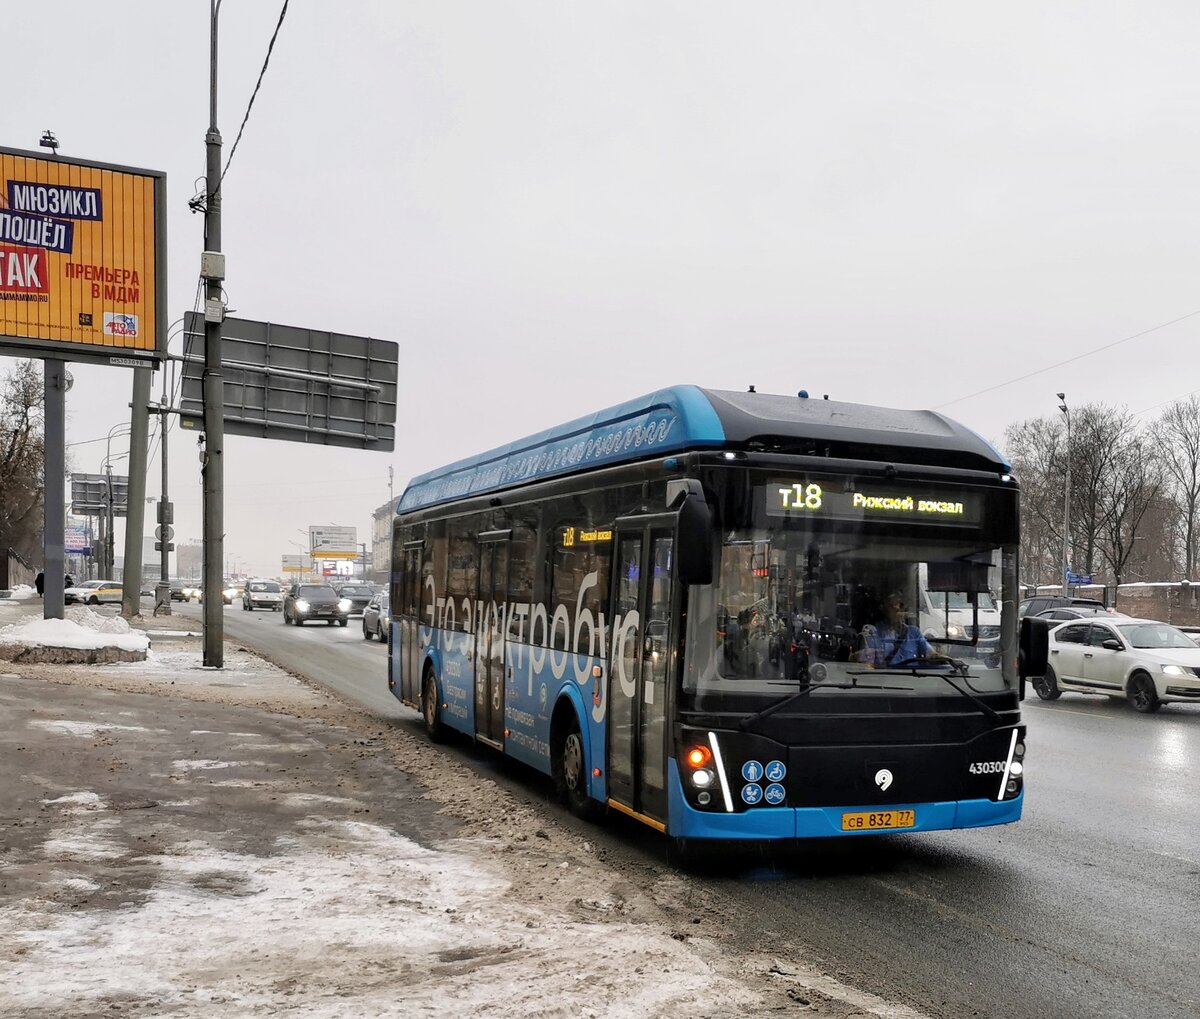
x=139, y=895
x=22, y=592
x=81, y=629
x=374, y=923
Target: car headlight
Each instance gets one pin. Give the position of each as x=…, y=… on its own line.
x=301, y=605
x=1174, y=670
x=955, y=631
x=230, y=592
x=345, y=604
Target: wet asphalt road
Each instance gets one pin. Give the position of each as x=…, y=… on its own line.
x=1089, y=907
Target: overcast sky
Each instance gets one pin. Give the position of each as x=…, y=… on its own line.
x=555, y=206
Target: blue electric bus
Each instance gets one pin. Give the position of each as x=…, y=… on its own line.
x=728, y=615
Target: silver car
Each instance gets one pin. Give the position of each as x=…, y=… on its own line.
x=262, y=594
x=377, y=617
x=1142, y=660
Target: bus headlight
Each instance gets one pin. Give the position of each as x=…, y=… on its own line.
x=702, y=778
x=1016, y=769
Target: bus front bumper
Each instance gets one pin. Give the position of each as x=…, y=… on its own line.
x=685, y=821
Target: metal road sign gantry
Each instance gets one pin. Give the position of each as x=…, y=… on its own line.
x=301, y=385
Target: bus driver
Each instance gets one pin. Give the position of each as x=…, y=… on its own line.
x=894, y=641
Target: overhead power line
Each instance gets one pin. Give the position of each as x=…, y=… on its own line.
x=254, y=94
x=1069, y=360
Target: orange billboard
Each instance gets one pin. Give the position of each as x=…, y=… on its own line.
x=82, y=260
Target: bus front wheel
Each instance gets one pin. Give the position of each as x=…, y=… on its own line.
x=429, y=709
x=570, y=773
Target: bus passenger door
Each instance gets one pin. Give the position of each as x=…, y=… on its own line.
x=407, y=615
x=489, y=645
x=640, y=667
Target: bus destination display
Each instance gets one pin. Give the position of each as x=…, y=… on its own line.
x=828, y=499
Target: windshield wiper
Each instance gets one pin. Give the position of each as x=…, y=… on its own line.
x=960, y=668
x=783, y=702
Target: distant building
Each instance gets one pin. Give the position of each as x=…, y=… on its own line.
x=381, y=544
x=151, y=563
x=189, y=560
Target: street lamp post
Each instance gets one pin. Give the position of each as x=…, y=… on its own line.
x=109, y=557
x=1066, y=549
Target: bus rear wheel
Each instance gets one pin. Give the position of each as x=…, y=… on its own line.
x=570, y=775
x=429, y=709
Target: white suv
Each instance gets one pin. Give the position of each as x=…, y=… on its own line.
x=262, y=594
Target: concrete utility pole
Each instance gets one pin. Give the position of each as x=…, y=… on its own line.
x=213, y=271
x=135, y=512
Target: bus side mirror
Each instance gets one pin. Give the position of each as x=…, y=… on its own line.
x=1034, y=646
x=693, y=541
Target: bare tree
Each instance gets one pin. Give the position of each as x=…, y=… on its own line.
x=1099, y=434
x=1134, y=483
x=1031, y=447
x=1177, y=434
x=22, y=459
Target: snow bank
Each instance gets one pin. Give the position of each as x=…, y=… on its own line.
x=82, y=630
x=22, y=592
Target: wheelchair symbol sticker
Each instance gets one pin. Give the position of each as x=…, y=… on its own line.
x=775, y=771
x=775, y=794
x=752, y=794
x=752, y=771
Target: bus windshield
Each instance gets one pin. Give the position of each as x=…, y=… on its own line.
x=794, y=606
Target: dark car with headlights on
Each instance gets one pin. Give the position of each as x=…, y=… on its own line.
x=305, y=602
x=185, y=590
x=358, y=595
x=377, y=617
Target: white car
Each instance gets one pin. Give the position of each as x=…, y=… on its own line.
x=262, y=594
x=1145, y=661
x=93, y=592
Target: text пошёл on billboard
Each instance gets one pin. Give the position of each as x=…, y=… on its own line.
x=81, y=250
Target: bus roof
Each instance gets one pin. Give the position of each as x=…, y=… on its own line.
x=682, y=418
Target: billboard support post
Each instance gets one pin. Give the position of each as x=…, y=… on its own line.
x=135, y=514
x=165, y=517
x=214, y=392
x=54, y=481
